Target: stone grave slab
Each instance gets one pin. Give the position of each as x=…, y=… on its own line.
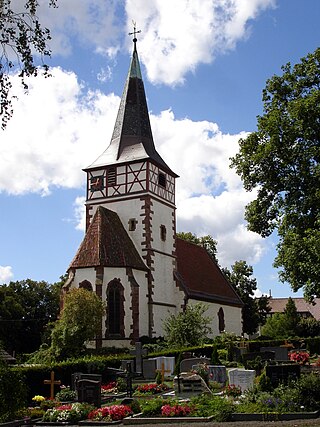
x=218, y=373
x=187, y=364
x=76, y=376
x=189, y=384
x=280, y=353
x=149, y=368
x=282, y=373
x=89, y=391
x=243, y=378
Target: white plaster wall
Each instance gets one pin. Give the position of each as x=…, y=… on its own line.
x=84, y=274
x=232, y=317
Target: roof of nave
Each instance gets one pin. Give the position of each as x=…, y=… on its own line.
x=107, y=244
x=201, y=278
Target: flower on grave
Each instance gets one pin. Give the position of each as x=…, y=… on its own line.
x=301, y=357
x=176, y=410
x=110, y=413
x=109, y=388
x=38, y=398
x=202, y=370
x=68, y=413
x=150, y=389
x=232, y=390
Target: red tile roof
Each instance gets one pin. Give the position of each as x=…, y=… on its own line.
x=200, y=276
x=278, y=305
x=107, y=244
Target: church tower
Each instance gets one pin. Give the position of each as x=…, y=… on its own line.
x=132, y=180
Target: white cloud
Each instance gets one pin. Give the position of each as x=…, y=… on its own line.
x=179, y=35
x=52, y=133
x=6, y=274
x=80, y=213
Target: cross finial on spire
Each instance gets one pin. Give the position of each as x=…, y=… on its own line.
x=135, y=32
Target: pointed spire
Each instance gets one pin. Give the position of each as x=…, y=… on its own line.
x=132, y=135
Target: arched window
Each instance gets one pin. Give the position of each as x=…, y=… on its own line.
x=115, y=309
x=222, y=324
x=85, y=284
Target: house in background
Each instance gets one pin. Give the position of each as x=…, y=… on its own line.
x=304, y=308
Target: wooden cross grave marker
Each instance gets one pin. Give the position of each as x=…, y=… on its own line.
x=52, y=383
x=163, y=372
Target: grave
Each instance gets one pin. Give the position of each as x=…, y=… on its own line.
x=167, y=363
x=52, y=382
x=149, y=369
x=187, y=364
x=243, y=378
x=282, y=373
x=218, y=373
x=89, y=391
x=189, y=384
x=263, y=355
x=75, y=377
x=138, y=352
x=280, y=353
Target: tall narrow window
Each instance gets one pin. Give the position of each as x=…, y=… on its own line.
x=111, y=176
x=115, y=309
x=162, y=179
x=163, y=233
x=221, y=320
x=132, y=224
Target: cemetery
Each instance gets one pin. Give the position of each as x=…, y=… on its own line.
x=145, y=388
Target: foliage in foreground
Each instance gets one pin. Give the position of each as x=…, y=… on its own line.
x=189, y=327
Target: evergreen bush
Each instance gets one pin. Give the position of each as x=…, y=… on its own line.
x=13, y=393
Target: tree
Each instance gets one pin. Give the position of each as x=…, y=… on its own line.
x=281, y=160
x=292, y=317
x=188, y=328
x=21, y=37
x=245, y=285
x=207, y=242
x=275, y=327
x=79, y=322
x=26, y=307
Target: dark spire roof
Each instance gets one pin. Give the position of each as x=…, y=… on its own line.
x=200, y=277
x=107, y=244
x=132, y=136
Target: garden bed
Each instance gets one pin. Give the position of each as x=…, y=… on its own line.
x=140, y=419
x=275, y=417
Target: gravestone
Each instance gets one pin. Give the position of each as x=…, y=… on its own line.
x=282, y=373
x=218, y=373
x=75, y=377
x=124, y=365
x=149, y=369
x=189, y=385
x=280, y=353
x=138, y=352
x=243, y=378
x=166, y=363
x=89, y=391
x=187, y=364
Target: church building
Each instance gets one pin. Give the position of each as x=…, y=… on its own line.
x=130, y=255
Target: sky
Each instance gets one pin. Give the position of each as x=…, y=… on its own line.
x=204, y=65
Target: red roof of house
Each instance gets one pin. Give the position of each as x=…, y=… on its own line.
x=107, y=244
x=278, y=305
x=200, y=277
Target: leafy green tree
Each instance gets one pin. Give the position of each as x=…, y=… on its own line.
x=80, y=320
x=292, y=317
x=26, y=307
x=206, y=241
x=263, y=308
x=245, y=285
x=21, y=38
x=281, y=161
x=309, y=327
x=188, y=328
x=275, y=326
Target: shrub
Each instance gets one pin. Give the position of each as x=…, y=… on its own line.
x=13, y=393
x=113, y=413
x=301, y=357
x=68, y=413
x=176, y=410
x=66, y=394
x=207, y=406
x=152, y=407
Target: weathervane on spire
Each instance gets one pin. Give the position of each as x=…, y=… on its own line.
x=135, y=32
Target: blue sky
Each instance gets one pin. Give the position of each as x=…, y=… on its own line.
x=205, y=64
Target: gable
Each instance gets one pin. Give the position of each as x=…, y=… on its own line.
x=200, y=277
x=107, y=244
